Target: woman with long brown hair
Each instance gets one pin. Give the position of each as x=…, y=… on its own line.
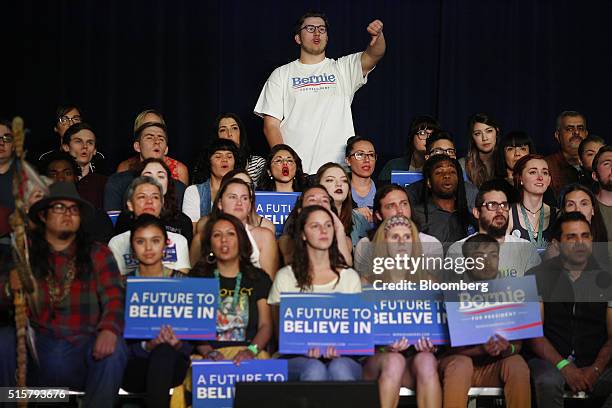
x=317, y=267
x=479, y=163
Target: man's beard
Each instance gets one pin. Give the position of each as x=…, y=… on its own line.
x=492, y=230
x=606, y=186
x=446, y=195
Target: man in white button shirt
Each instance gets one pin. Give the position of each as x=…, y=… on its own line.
x=306, y=103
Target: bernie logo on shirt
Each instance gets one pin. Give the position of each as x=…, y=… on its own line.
x=314, y=82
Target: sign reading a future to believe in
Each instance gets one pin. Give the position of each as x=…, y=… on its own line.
x=410, y=314
x=213, y=382
x=275, y=207
x=319, y=320
x=188, y=305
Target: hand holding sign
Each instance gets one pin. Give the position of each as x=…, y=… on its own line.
x=331, y=353
x=375, y=31
x=167, y=336
x=399, y=345
x=496, y=345
x=425, y=345
x=242, y=355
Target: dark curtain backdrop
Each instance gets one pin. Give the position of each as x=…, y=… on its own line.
x=522, y=61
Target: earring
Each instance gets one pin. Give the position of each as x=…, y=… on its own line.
x=211, y=259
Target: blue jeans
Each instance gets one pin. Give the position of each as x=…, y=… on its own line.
x=71, y=365
x=8, y=357
x=312, y=369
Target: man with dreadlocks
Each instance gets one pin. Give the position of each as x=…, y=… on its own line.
x=77, y=314
x=444, y=211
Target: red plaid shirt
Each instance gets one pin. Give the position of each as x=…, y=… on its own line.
x=94, y=303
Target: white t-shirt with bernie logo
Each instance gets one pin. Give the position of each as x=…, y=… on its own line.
x=313, y=103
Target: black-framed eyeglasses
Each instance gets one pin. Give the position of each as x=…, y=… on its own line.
x=424, y=133
x=7, y=138
x=60, y=208
x=362, y=155
x=494, y=205
x=438, y=150
x=67, y=119
x=322, y=29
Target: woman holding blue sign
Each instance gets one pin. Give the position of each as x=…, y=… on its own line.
x=313, y=195
x=156, y=365
x=244, y=320
x=317, y=267
x=398, y=235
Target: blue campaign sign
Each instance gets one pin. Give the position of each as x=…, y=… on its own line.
x=310, y=320
x=409, y=314
x=509, y=307
x=275, y=207
x=189, y=305
x=213, y=381
x=405, y=178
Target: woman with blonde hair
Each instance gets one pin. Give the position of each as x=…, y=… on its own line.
x=395, y=365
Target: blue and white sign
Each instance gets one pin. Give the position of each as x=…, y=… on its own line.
x=411, y=314
x=405, y=178
x=189, y=305
x=275, y=207
x=311, y=320
x=113, y=215
x=509, y=307
x=213, y=382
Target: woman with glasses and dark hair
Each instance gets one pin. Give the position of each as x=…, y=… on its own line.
x=317, y=267
x=229, y=126
x=531, y=218
x=361, y=159
x=421, y=128
x=283, y=171
x=221, y=157
x=512, y=146
x=479, y=164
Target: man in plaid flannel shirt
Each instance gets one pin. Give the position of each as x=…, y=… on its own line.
x=78, y=323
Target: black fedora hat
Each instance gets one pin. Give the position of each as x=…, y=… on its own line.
x=61, y=190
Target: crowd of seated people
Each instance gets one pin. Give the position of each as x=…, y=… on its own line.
x=526, y=213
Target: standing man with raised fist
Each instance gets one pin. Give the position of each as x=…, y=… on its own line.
x=306, y=104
